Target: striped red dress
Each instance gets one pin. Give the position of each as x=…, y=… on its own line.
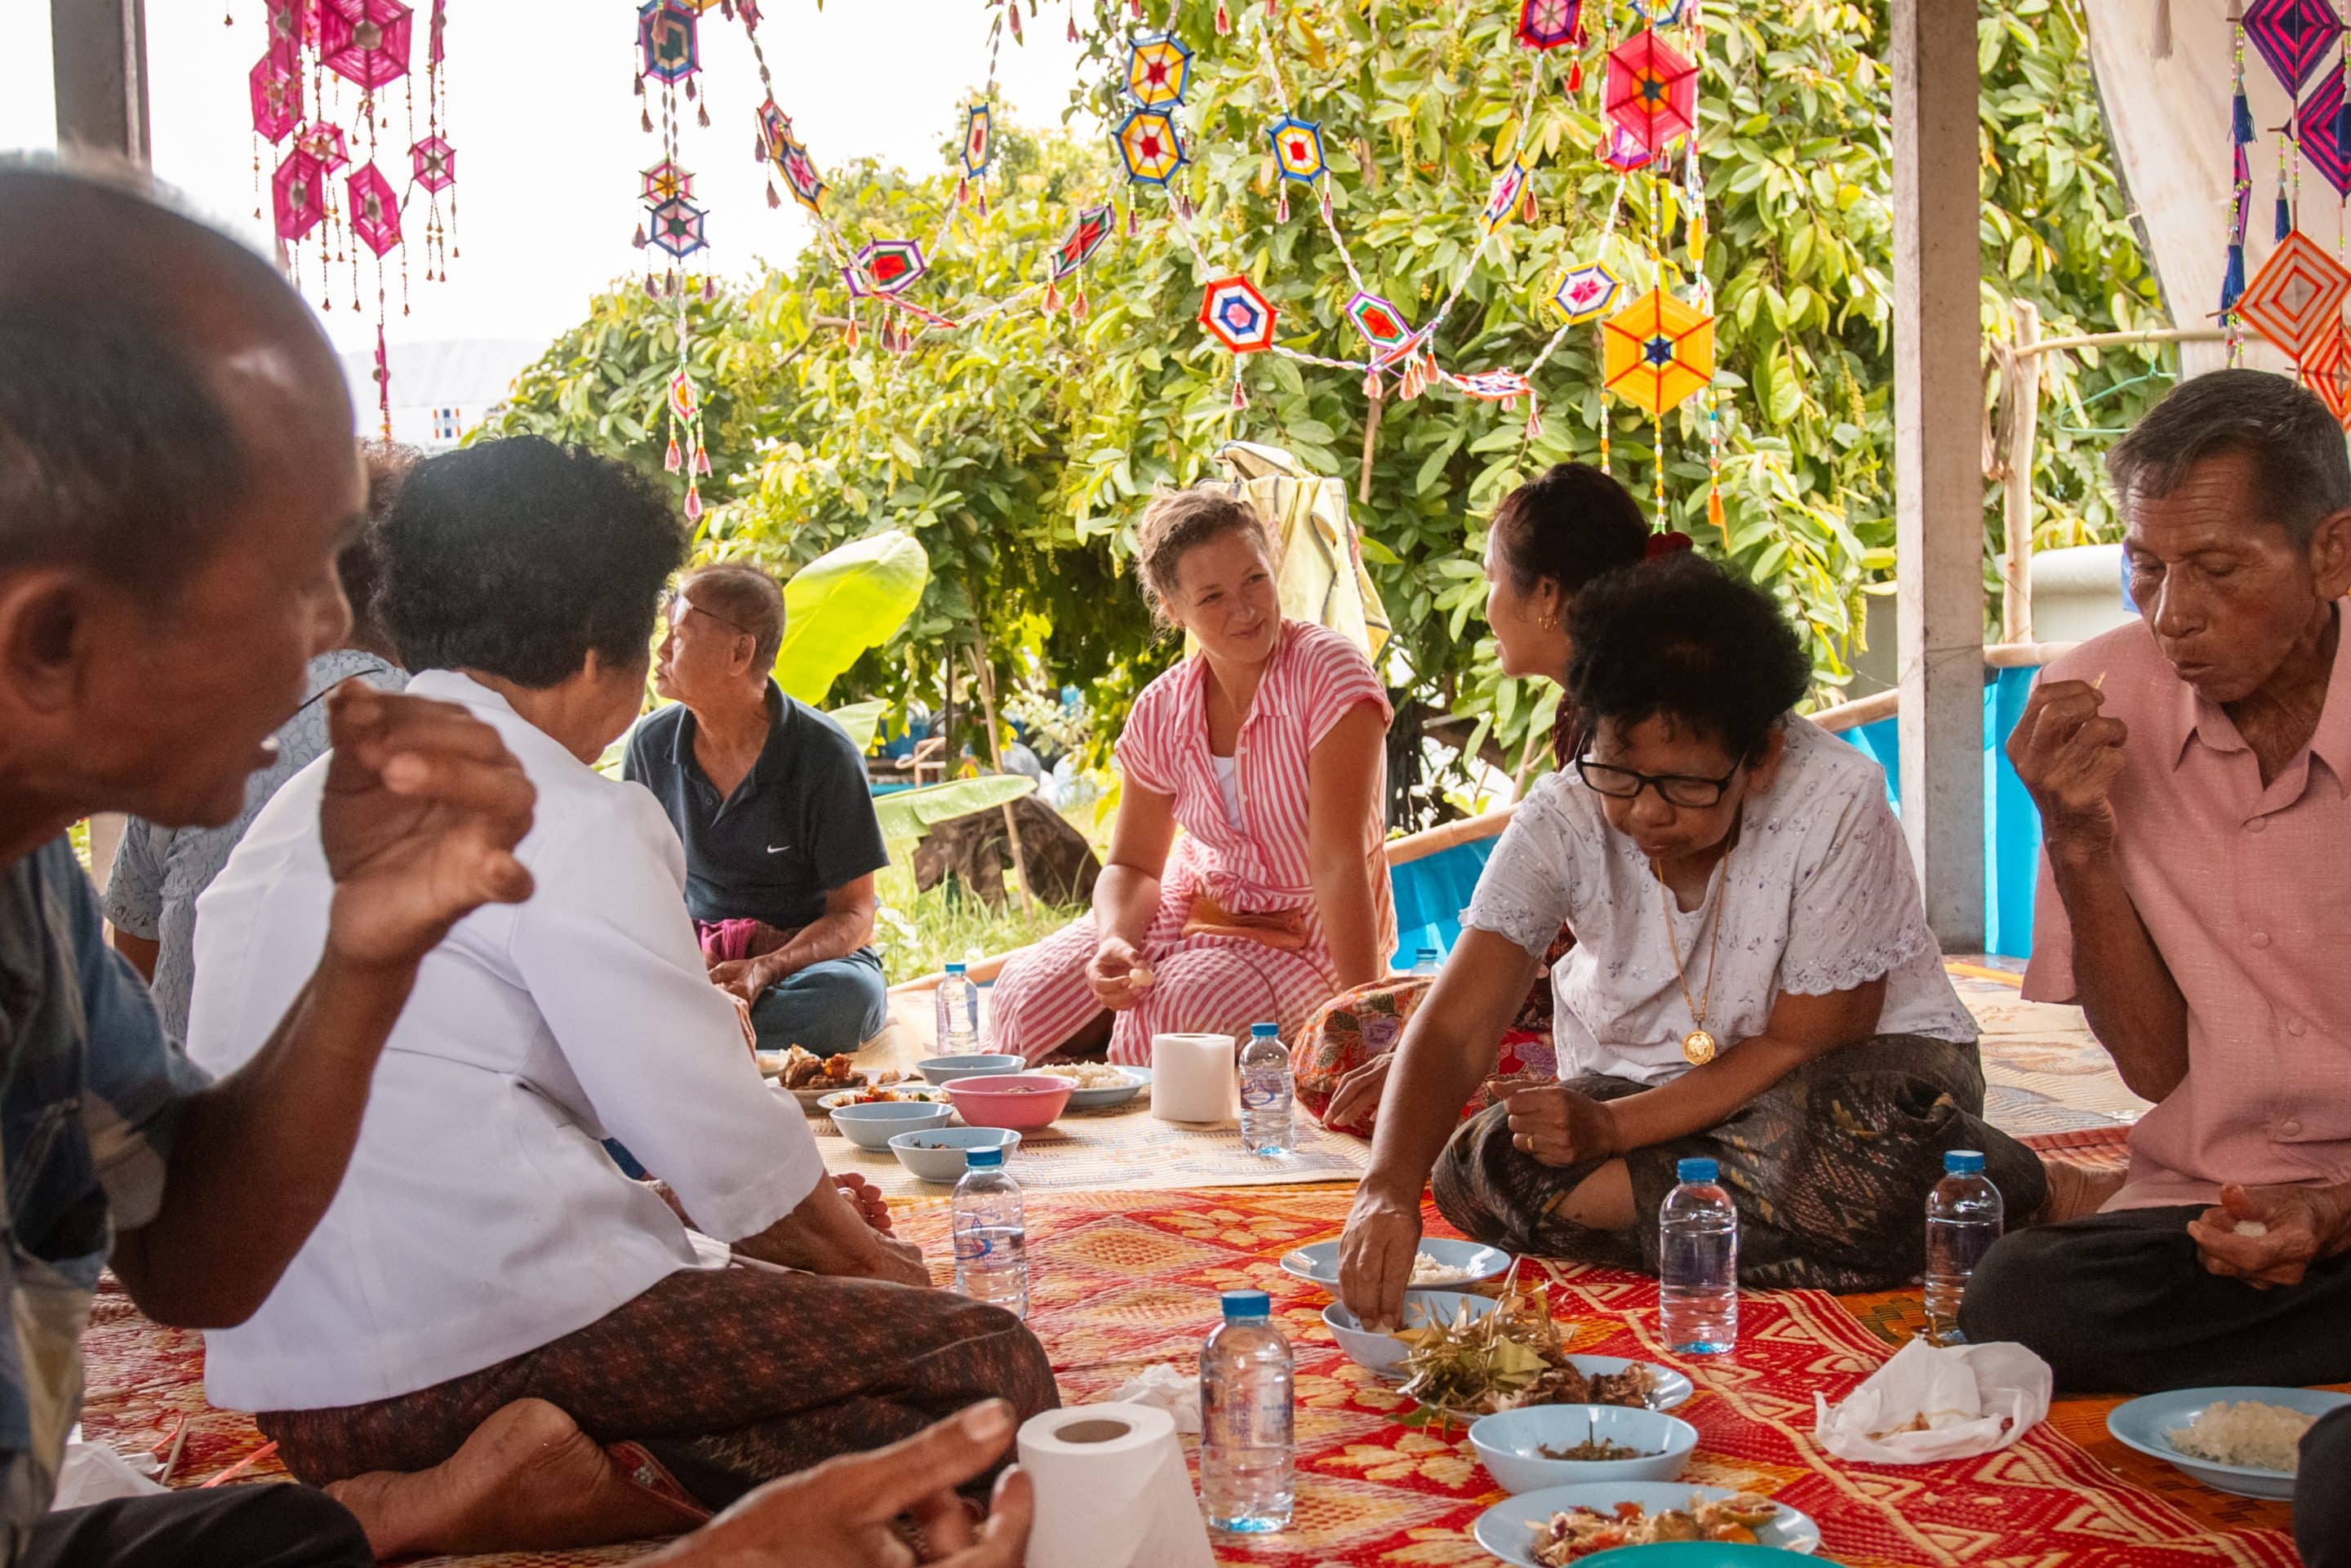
x=1218, y=984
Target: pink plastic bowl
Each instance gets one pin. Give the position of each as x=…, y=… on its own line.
x=1021, y=1100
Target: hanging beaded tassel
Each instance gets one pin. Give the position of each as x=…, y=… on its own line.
x=2232, y=279
x=1534, y=420
x=1240, y=393
x=1052, y=298
x=1281, y=203
x=1224, y=19
x=1077, y=306
x=1714, y=466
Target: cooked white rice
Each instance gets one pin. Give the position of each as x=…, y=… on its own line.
x=2265, y=1437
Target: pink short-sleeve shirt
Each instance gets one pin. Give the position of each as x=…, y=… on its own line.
x=2246, y=891
x=1315, y=677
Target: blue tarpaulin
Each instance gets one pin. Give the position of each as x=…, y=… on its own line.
x=1431, y=891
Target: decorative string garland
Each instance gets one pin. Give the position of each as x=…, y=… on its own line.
x=311, y=49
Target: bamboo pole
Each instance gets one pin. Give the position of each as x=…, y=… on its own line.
x=984, y=672
x=2021, y=394
x=2130, y=340
x=1371, y=434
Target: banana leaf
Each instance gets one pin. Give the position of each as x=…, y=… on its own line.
x=845, y=602
x=862, y=720
x=910, y=813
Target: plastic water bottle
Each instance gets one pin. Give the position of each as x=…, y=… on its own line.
x=1266, y=1092
x=1698, y=1263
x=991, y=1239
x=1963, y=1219
x=958, y=1012
x=1425, y=962
x=1245, y=1419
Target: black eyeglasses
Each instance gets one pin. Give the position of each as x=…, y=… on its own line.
x=1674, y=788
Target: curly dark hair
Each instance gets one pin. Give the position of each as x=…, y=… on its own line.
x=517, y=558
x=1681, y=637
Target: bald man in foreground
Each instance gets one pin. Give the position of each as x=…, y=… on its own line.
x=176, y=476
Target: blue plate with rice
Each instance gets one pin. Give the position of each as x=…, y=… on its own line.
x=2212, y=1436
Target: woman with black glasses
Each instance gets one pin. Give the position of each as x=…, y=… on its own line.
x=1752, y=981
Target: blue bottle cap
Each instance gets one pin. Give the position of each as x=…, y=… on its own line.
x=1696, y=1170
x=982, y=1159
x=1264, y=1031
x=1246, y=1306
x=1963, y=1162
x=957, y=969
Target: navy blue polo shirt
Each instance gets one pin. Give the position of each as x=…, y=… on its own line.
x=799, y=824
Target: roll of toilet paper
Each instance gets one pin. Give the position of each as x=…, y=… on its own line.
x=1193, y=1078
x=1112, y=1490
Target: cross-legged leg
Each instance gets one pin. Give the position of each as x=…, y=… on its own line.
x=2120, y=1302
x=730, y=1377
x=828, y=1009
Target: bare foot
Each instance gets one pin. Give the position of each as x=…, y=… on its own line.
x=2076, y=1191
x=528, y=1480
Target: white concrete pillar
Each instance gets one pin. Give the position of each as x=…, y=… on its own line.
x=1937, y=459
x=98, y=54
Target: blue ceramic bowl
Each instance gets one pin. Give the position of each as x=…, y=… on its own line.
x=1511, y=1444
x=1384, y=1353
x=872, y=1127
x=936, y=1153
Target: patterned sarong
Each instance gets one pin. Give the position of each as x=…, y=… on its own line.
x=1830, y=1169
x=728, y=1376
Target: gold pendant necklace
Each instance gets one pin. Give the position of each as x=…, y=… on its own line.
x=1698, y=1047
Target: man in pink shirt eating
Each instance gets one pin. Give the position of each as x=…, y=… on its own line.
x=2193, y=774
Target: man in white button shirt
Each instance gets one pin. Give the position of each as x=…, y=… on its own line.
x=495, y=1340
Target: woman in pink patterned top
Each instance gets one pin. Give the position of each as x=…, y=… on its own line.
x=1268, y=747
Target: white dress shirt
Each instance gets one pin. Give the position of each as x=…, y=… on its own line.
x=481, y=1217
x=1817, y=896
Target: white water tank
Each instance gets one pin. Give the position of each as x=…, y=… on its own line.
x=2077, y=593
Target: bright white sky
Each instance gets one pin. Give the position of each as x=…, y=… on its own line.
x=545, y=124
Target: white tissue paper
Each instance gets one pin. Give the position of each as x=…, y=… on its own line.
x=1166, y=1388
x=1973, y=1399
x=95, y=1473
x=1112, y=1490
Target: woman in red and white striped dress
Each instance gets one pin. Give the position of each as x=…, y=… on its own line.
x=1268, y=747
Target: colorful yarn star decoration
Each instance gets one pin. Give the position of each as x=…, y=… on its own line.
x=375, y=209
x=2327, y=369
x=2298, y=292
x=1585, y=293
x=1237, y=316
x=276, y=99
x=979, y=140
x=326, y=143
x=299, y=194
x=1298, y=149
x=1494, y=386
x=1086, y=237
x=679, y=228
x=2323, y=142
x=1158, y=71
x=1509, y=186
x=665, y=181
x=433, y=163
x=1381, y=323
x=2293, y=37
x=1651, y=91
x=364, y=41
x=1148, y=144
x=1549, y=24
x=886, y=266
x=1657, y=352
x=669, y=35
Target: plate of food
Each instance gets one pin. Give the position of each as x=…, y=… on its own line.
x=810, y=1077
x=1099, y=1084
x=2242, y=1440
x=1559, y=1525
x=1439, y=1265
x=900, y=1094
x=1514, y=1358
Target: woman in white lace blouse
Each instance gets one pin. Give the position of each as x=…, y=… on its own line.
x=1752, y=981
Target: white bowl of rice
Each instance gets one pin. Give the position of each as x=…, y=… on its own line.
x=2241, y=1441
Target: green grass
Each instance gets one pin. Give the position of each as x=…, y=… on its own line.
x=918, y=932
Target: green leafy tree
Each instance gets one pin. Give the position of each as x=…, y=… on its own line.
x=1020, y=448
